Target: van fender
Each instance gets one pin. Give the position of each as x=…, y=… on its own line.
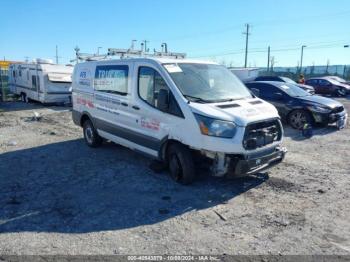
x=80, y=117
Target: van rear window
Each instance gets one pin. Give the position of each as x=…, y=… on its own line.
x=112, y=79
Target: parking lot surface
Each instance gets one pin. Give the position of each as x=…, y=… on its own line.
x=58, y=196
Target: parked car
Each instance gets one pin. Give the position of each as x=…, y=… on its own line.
x=172, y=109
x=307, y=88
x=339, y=79
x=326, y=85
x=297, y=107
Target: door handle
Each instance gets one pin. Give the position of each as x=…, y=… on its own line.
x=136, y=107
x=124, y=104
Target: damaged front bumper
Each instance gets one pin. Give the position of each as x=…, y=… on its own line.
x=233, y=166
x=331, y=118
x=252, y=164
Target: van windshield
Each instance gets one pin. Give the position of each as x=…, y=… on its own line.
x=207, y=83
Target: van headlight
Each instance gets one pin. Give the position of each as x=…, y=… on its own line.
x=319, y=109
x=215, y=127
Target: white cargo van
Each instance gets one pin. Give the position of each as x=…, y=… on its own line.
x=176, y=109
x=41, y=81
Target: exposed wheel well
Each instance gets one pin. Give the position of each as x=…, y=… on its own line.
x=83, y=119
x=165, y=147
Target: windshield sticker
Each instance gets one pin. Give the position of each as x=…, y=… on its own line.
x=211, y=82
x=173, y=68
x=285, y=87
x=152, y=124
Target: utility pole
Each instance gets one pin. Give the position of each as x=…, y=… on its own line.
x=27, y=59
x=246, y=44
x=268, y=59
x=301, y=58
x=56, y=54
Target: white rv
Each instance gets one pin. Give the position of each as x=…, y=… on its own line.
x=245, y=74
x=176, y=109
x=41, y=81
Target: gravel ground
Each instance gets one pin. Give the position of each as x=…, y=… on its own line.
x=57, y=196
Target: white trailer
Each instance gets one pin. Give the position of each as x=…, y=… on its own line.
x=245, y=74
x=41, y=81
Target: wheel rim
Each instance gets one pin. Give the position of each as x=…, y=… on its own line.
x=175, y=167
x=89, y=135
x=298, y=120
x=341, y=91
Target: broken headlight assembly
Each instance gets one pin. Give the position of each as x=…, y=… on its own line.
x=215, y=127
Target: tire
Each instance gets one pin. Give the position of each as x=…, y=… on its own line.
x=341, y=91
x=298, y=118
x=92, y=139
x=181, y=165
x=24, y=98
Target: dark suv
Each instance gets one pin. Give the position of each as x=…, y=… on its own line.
x=326, y=85
x=298, y=107
x=307, y=88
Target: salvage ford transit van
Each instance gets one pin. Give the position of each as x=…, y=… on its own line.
x=175, y=110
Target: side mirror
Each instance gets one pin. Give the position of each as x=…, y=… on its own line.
x=163, y=100
x=277, y=96
x=255, y=92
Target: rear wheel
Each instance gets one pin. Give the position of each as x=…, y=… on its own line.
x=181, y=165
x=298, y=118
x=91, y=136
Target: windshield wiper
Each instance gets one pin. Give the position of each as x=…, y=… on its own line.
x=223, y=100
x=196, y=99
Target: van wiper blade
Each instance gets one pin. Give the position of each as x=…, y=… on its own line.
x=197, y=99
x=223, y=100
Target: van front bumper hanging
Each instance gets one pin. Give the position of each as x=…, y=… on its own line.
x=239, y=167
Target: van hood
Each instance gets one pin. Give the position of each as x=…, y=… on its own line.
x=324, y=101
x=241, y=112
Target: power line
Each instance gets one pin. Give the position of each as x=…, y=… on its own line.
x=263, y=50
x=312, y=19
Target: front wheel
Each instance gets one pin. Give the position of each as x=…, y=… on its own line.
x=341, y=91
x=181, y=165
x=91, y=136
x=298, y=118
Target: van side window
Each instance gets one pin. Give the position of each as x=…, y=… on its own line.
x=149, y=84
x=34, y=82
x=112, y=79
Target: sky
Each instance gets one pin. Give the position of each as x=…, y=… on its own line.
x=204, y=29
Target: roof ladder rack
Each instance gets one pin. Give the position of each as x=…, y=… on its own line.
x=139, y=53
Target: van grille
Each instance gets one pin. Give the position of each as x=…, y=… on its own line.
x=263, y=133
